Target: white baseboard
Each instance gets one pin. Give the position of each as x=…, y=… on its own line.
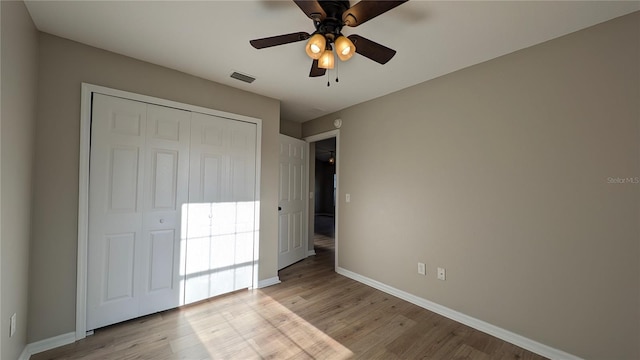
x=311, y=253
x=47, y=344
x=268, y=282
x=25, y=354
x=477, y=324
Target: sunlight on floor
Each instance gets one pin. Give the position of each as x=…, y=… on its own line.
x=268, y=330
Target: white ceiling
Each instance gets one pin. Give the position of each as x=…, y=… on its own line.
x=210, y=39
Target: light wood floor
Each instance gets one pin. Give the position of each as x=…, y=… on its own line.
x=313, y=314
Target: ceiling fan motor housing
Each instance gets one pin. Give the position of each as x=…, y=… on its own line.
x=331, y=25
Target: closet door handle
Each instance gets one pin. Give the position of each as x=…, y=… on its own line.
x=161, y=221
x=279, y=208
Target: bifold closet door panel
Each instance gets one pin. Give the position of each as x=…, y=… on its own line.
x=166, y=182
x=115, y=209
x=222, y=207
x=138, y=187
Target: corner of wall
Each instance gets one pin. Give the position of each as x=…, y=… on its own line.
x=0, y=175
x=291, y=128
x=19, y=58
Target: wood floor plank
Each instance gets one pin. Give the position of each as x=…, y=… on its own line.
x=313, y=313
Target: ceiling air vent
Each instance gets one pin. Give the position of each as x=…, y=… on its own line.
x=242, y=77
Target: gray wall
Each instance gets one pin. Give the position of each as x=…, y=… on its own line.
x=291, y=128
x=500, y=173
x=19, y=90
x=63, y=66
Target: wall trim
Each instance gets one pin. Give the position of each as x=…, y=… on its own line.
x=268, y=282
x=311, y=253
x=477, y=324
x=47, y=344
x=25, y=354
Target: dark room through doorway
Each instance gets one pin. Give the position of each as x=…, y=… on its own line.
x=325, y=189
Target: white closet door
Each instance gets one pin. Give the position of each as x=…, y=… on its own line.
x=166, y=184
x=138, y=185
x=172, y=208
x=115, y=209
x=222, y=207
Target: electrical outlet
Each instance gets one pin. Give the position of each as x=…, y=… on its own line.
x=12, y=325
x=441, y=274
x=422, y=268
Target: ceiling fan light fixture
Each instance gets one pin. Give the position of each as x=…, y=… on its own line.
x=315, y=46
x=344, y=48
x=327, y=60
x=329, y=18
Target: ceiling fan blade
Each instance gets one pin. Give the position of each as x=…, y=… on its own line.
x=315, y=70
x=366, y=10
x=312, y=9
x=279, y=40
x=374, y=51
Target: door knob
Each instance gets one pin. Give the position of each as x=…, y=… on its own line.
x=161, y=221
x=279, y=208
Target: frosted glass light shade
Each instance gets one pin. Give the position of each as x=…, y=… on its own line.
x=327, y=60
x=315, y=46
x=344, y=48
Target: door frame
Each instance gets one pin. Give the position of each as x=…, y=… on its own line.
x=310, y=209
x=83, y=183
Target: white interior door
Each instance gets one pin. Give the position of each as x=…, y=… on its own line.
x=222, y=208
x=138, y=183
x=292, y=244
x=115, y=208
x=165, y=191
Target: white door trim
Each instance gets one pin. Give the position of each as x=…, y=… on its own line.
x=318, y=137
x=83, y=181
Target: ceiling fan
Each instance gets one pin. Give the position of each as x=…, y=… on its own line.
x=329, y=17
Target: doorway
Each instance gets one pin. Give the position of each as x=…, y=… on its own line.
x=324, y=187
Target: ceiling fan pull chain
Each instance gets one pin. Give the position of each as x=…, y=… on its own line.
x=337, y=72
x=328, y=81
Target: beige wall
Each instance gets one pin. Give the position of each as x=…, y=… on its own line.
x=63, y=66
x=500, y=173
x=291, y=128
x=19, y=90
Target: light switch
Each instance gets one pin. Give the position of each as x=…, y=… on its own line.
x=348, y=198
